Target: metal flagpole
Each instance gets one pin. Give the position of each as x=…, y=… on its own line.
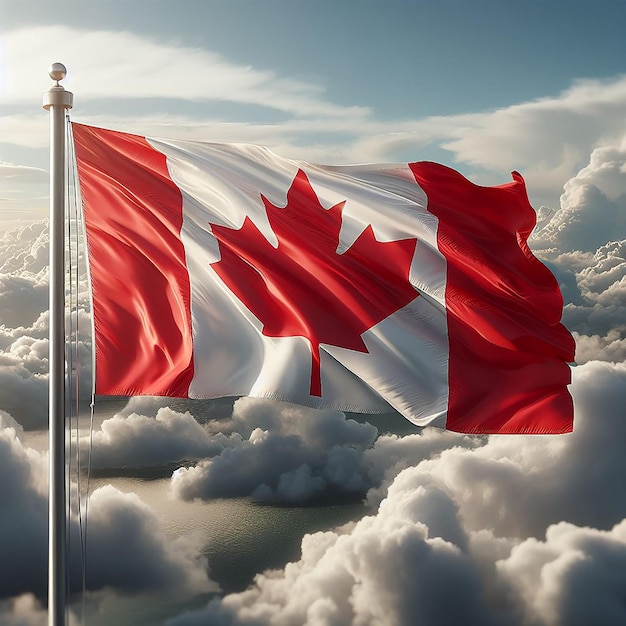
x=57, y=100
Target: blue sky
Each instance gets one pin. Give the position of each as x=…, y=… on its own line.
x=484, y=86
x=403, y=58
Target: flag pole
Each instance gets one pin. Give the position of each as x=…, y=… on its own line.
x=57, y=100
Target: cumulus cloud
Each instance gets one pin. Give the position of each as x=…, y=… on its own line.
x=22, y=299
x=610, y=347
x=140, y=441
x=25, y=249
x=23, y=274
x=127, y=548
x=493, y=534
x=597, y=307
x=593, y=205
x=26, y=610
x=260, y=448
x=585, y=243
x=24, y=371
x=377, y=574
x=573, y=577
x=284, y=452
x=24, y=511
x=25, y=395
x=534, y=475
x=549, y=138
x=24, y=325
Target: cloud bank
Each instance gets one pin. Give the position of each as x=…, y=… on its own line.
x=126, y=546
x=487, y=535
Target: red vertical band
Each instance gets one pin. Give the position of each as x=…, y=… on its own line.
x=509, y=353
x=140, y=284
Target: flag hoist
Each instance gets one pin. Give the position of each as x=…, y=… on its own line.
x=57, y=100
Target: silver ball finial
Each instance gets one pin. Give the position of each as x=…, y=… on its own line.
x=57, y=71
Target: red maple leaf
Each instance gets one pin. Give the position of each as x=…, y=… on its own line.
x=304, y=287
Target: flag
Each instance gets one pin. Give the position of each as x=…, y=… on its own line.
x=225, y=270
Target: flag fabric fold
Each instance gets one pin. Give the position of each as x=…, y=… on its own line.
x=225, y=270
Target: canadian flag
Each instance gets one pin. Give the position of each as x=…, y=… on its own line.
x=225, y=270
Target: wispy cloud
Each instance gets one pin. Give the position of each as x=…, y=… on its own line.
x=548, y=140
x=139, y=67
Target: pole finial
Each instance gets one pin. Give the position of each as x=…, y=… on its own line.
x=57, y=71
x=57, y=94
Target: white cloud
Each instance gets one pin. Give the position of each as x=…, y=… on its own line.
x=23, y=510
x=26, y=610
x=23, y=274
x=29, y=131
x=266, y=449
x=573, y=577
x=593, y=205
x=126, y=545
x=585, y=243
x=10, y=173
x=562, y=129
x=167, y=70
x=548, y=140
x=24, y=371
x=281, y=452
x=609, y=347
x=473, y=535
x=534, y=475
x=24, y=395
x=378, y=573
x=142, y=441
x=24, y=325
x=22, y=299
x=128, y=550
x=25, y=249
